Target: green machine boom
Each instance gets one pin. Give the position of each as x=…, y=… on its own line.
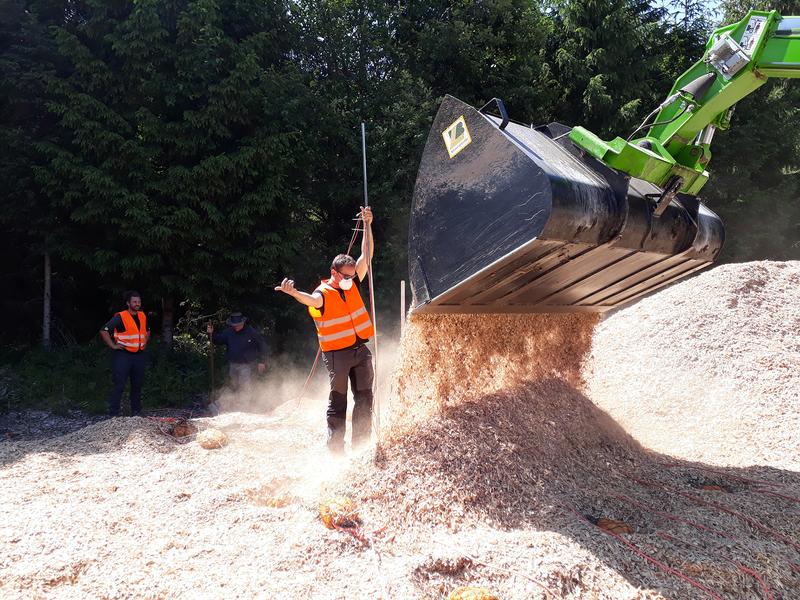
x=514, y=218
x=739, y=59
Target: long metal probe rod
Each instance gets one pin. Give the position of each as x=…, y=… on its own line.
x=364, y=159
x=376, y=408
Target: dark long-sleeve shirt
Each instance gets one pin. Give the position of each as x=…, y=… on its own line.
x=242, y=347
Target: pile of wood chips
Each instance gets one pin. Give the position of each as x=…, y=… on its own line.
x=494, y=428
x=708, y=369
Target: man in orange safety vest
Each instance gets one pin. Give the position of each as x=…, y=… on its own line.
x=343, y=327
x=127, y=335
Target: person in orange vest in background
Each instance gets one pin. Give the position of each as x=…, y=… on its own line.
x=343, y=328
x=127, y=334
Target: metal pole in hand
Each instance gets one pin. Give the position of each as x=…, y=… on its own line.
x=376, y=412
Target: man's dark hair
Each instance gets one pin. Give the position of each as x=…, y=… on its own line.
x=343, y=260
x=126, y=296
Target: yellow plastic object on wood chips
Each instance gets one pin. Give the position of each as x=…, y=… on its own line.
x=339, y=511
x=472, y=593
x=212, y=438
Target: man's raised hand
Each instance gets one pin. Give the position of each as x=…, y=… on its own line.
x=286, y=286
x=366, y=214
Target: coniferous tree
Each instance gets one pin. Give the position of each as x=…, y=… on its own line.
x=182, y=139
x=476, y=51
x=32, y=232
x=607, y=56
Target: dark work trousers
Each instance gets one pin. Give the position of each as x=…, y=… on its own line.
x=126, y=365
x=354, y=364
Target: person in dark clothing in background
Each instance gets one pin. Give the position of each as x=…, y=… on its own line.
x=127, y=335
x=245, y=348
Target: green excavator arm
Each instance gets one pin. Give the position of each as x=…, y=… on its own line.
x=675, y=149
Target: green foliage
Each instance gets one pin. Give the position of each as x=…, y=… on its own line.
x=606, y=55
x=180, y=148
x=80, y=377
x=478, y=50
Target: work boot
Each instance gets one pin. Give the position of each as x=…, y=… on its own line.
x=336, y=427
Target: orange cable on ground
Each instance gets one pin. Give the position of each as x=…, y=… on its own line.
x=758, y=578
x=730, y=511
x=777, y=495
x=664, y=567
x=672, y=517
x=739, y=566
x=700, y=526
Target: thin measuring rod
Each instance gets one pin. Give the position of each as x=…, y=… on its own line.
x=376, y=409
x=364, y=156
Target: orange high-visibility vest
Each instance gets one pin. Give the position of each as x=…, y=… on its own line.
x=342, y=320
x=133, y=338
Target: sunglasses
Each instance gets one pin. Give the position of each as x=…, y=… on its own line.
x=343, y=276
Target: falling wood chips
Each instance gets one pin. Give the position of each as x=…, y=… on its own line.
x=493, y=451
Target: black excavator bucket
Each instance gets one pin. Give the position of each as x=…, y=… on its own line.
x=513, y=219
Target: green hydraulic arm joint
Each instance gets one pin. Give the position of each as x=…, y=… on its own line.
x=676, y=137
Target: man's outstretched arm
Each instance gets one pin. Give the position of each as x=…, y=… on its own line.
x=287, y=287
x=367, y=244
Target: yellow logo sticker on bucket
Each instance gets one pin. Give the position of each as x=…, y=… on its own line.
x=456, y=137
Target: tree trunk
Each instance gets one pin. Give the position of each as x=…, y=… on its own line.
x=46, y=303
x=167, y=320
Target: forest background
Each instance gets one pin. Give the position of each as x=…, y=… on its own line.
x=199, y=150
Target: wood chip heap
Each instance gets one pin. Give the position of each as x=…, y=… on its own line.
x=494, y=427
x=708, y=369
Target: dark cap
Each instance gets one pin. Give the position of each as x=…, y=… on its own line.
x=236, y=318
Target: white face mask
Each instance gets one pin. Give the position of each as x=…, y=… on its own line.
x=346, y=284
